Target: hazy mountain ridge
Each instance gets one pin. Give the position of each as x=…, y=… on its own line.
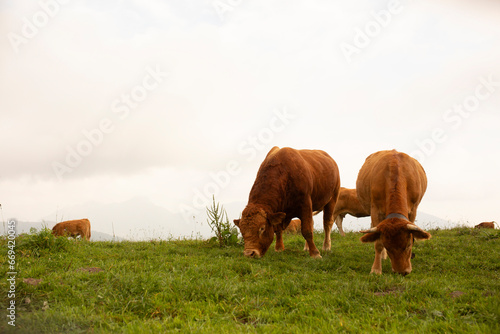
x=137, y=218
x=141, y=219
x=350, y=223
x=25, y=227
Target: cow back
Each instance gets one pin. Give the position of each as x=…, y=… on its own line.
x=287, y=176
x=390, y=181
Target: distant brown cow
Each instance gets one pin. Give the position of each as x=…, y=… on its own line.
x=348, y=203
x=73, y=228
x=293, y=227
x=391, y=185
x=289, y=184
x=486, y=225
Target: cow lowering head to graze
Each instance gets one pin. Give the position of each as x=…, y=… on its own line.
x=486, y=225
x=390, y=186
x=73, y=228
x=289, y=184
x=348, y=203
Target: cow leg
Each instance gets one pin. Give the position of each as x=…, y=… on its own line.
x=306, y=246
x=327, y=224
x=379, y=254
x=307, y=227
x=338, y=221
x=279, y=246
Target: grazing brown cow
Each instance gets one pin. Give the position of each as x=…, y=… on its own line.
x=390, y=186
x=289, y=184
x=486, y=225
x=348, y=203
x=293, y=227
x=73, y=228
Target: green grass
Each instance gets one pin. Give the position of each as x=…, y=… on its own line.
x=194, y=286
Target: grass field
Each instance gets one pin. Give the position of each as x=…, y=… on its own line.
x=193, y=286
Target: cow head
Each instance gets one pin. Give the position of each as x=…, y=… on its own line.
x=257, y=228
x=397, y=236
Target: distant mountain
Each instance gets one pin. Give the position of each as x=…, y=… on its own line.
x=99, y=236
x=424, y=220
x=25, y=227
x=135, y=219
x=140, y=219
x=428, y=221
x=350, y=223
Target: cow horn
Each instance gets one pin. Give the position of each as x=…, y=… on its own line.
x=373, y=229
x=413, y=227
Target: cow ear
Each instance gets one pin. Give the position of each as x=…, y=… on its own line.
x=418, y=233
x=237, y=222
x=370, y=237
x=276, y=218
x=421, y=235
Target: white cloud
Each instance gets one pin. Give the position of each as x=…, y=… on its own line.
x=225, y=79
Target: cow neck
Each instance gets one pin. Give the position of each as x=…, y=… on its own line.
x=396, y=215
x=269, y=189
x=268, y=203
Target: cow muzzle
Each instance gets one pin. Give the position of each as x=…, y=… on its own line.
x=405, y=272
x=402, y=272
x=254, y=253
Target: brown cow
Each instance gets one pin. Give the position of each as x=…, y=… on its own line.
x=293, y=227
x=73, y=228
x=290, y=183
x=391, y=185
x=486, y=225
x=348, y=203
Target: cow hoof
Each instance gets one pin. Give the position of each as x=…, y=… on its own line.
x=316, y=256
x=376, y=272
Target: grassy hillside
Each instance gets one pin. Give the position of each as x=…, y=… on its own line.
x=194, y=286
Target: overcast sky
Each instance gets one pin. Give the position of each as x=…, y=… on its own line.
x=175, y=101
